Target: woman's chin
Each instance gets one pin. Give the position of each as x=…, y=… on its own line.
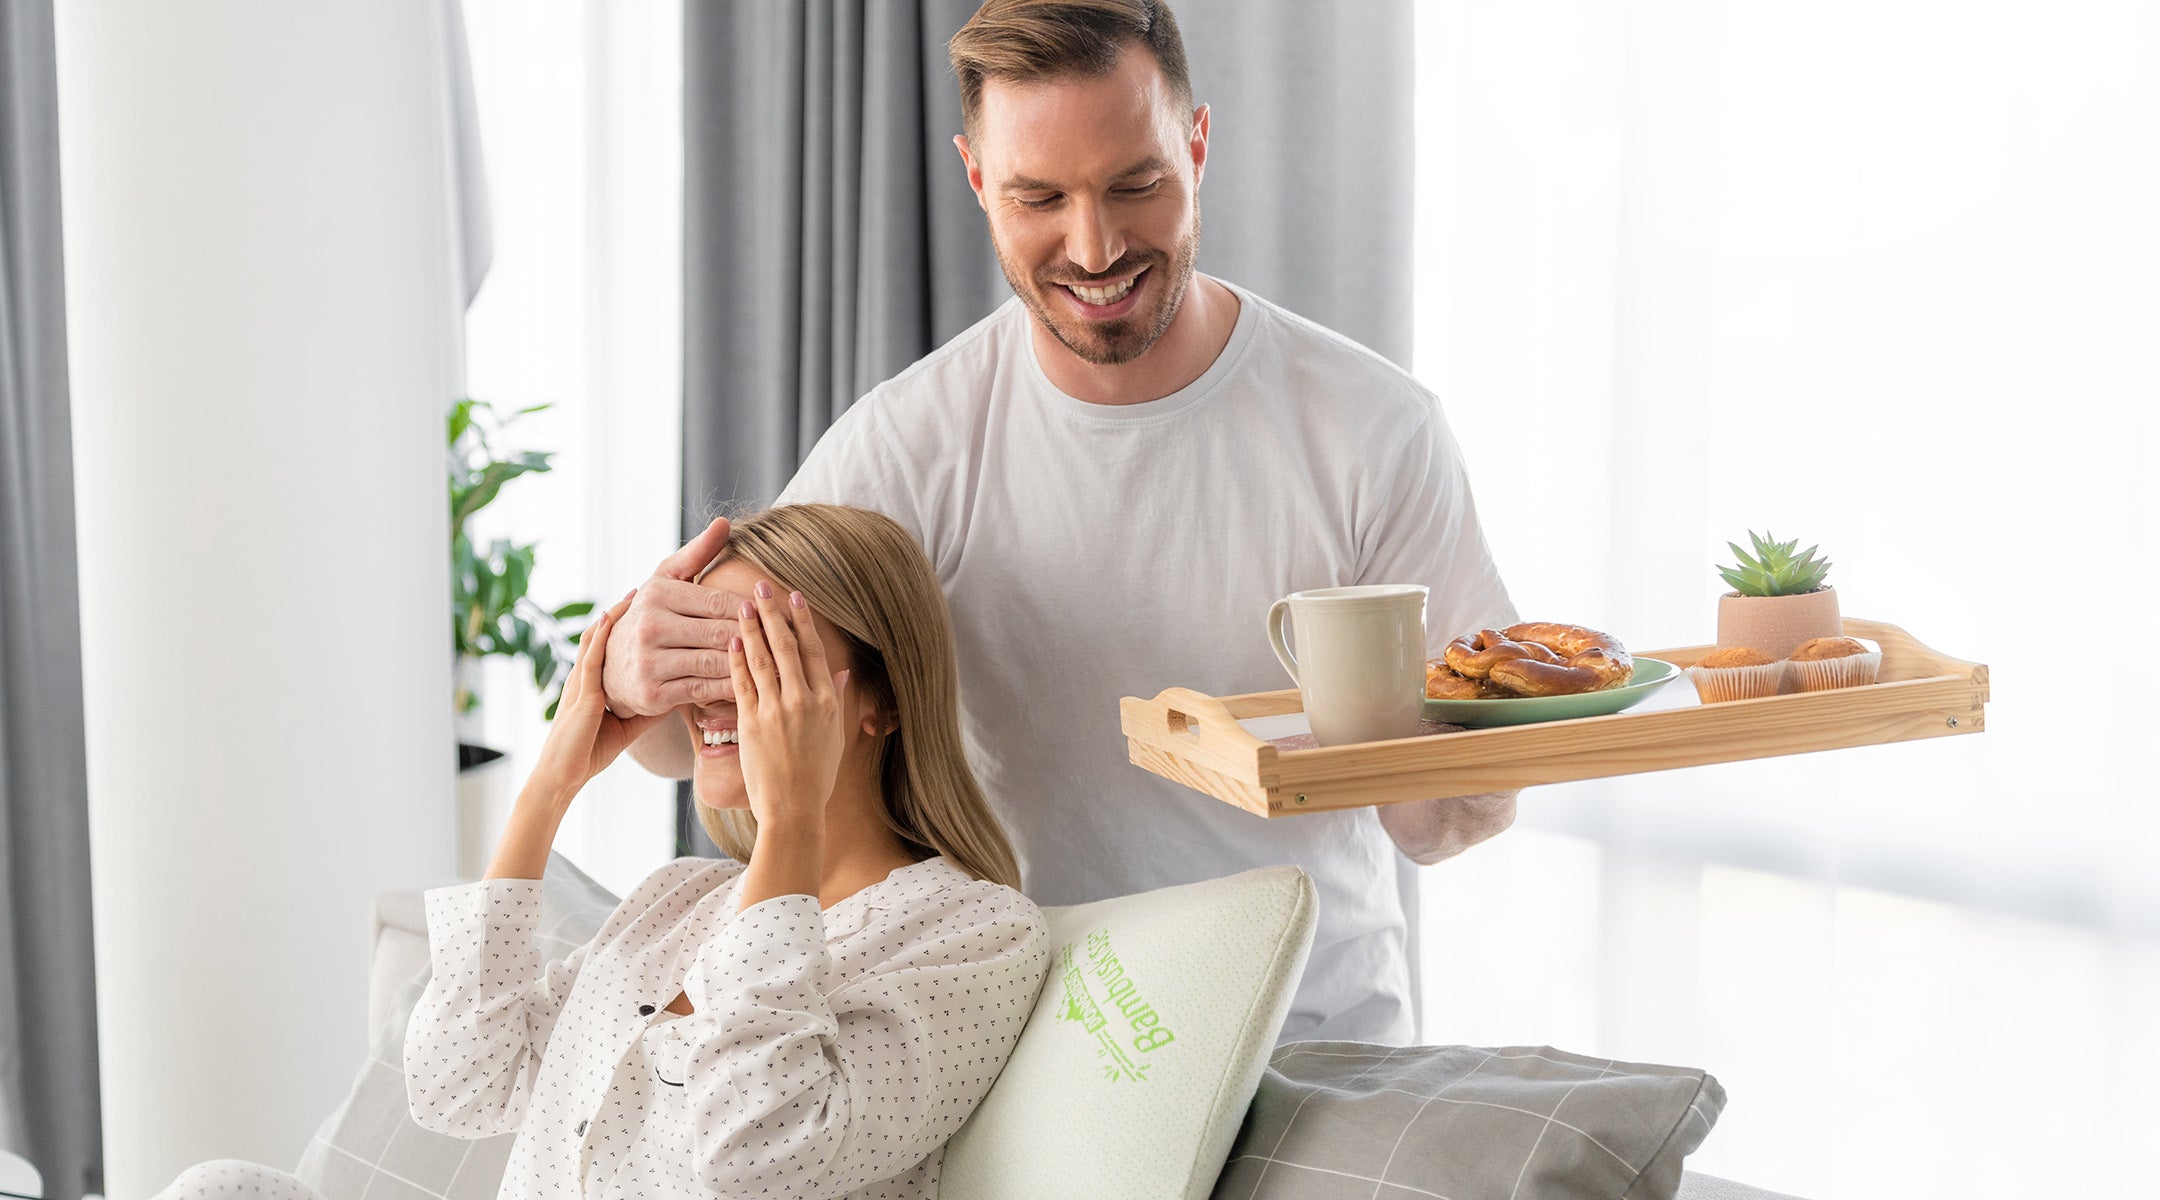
x=722, y=798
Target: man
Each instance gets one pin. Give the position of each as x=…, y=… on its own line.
x=1115, y=474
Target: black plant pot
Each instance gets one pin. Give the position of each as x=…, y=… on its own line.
x=470, y=756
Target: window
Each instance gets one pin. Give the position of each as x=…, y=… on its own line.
x=1876, y=276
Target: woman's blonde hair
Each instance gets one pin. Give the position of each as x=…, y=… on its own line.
x=864, y=573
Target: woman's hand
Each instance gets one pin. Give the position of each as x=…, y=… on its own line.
x=792, y=724
x=585, y=736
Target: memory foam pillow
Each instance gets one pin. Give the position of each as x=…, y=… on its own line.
x=1145, y=1046
x=370, y=1148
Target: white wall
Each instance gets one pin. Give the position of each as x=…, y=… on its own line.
x=261, y=329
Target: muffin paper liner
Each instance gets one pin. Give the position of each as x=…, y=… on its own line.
x=1853, y=670
x=1718, y=684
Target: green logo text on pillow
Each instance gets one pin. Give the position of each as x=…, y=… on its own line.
x=1106, y=1002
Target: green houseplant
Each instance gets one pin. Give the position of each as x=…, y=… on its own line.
x=490, y=610
x=1779, y=598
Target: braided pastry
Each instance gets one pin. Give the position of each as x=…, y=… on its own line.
x=1534, y=658
x=1443, y=683
x=1590, y=661
x=1475, y=655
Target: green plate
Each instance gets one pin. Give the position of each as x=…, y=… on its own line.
x=1650, y=675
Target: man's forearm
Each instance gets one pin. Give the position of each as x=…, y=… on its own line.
x=1429, y=831
x=666, y=750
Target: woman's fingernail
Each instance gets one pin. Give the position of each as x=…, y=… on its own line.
x=841, y=679
x=734, y=644
x=749, y=611
x=795, y=598
x=764, y=590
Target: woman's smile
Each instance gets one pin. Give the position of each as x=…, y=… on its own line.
x=717, y=737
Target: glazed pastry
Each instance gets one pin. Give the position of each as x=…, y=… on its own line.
x=1534, y=658
x=1444, y=683
x=1441, y=683
x=1475, y=655
x=1590, y=661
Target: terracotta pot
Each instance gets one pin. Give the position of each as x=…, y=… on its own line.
x=1776, y=624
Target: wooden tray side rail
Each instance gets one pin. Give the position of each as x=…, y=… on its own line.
x=1195, y=739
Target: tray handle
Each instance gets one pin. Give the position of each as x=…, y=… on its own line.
x=1178, y=712
x=1907, y=657
x=1184, y=708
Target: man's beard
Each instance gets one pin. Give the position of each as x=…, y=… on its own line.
x=1110, y=344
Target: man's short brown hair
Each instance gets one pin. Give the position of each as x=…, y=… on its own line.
x=1043, y=39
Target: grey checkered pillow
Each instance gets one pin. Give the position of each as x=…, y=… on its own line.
x=1516, y=1123
x=370, y=1149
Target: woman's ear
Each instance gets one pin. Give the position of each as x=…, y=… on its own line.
x=878, y=722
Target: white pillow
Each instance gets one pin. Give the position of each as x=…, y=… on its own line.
x=1145, y=1047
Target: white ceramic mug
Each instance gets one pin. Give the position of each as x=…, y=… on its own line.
x=1360, y=663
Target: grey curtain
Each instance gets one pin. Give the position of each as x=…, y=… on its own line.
x=1307, y=199
x=48, y=995
x=830, y=238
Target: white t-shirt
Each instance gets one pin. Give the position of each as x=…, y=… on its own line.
x=1091, y=552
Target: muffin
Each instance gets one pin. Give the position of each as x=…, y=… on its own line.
x=1736, y=673
x=1833, y=662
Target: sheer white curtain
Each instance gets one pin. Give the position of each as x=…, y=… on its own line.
x=1881, y=276
x=581, y=128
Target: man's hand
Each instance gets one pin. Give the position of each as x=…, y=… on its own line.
x=670, y=649
x=585, y=737
x=1428, y=831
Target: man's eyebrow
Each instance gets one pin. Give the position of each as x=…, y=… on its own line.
x=1152, y=164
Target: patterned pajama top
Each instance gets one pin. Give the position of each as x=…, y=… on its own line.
x=831, y=1053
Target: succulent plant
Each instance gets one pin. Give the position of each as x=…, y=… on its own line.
x=1775, y=570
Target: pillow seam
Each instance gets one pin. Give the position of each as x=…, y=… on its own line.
x=1275, y=960
x=1701, y=1081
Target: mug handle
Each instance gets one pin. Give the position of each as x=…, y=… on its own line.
x=1275, y=639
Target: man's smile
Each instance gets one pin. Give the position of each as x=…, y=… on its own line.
x=1105, y=293
x=1108, y=299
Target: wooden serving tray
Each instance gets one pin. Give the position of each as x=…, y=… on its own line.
x=1195, y=739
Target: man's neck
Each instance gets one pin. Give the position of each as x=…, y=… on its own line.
x=1195, y=339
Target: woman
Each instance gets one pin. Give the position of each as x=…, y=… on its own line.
x=815, y=1020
